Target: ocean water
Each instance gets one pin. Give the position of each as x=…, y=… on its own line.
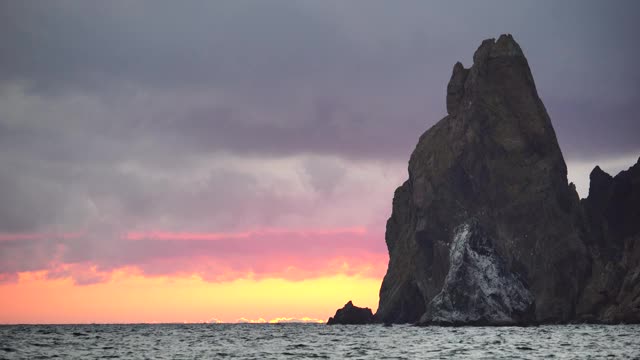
x=306, y=341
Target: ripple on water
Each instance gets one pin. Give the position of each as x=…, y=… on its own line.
x=302, y=341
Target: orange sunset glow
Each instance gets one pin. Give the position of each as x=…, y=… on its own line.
x=264, y=275
x=129, y=297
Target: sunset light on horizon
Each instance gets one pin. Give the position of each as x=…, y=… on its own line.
x=128, y=297
x=299, y=284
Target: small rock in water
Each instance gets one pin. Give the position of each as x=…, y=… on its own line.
x=351, y=314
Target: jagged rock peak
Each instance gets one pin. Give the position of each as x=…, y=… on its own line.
x=495, y=158
x=612, y=209
x=351, y=315
x=455, y=89
x=504, y=46
x=465, y=81
x=597, y=172
x=598, y=179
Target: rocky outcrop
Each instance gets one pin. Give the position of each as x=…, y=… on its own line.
x=487, y=230
x=351, y=315
x=612, y=210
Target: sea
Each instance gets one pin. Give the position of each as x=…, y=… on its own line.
x=316, y=341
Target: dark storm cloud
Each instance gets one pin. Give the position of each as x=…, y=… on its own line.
x=329, y=127
x=580, y=52
x=89, y=44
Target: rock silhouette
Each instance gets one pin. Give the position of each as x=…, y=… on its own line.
x=612, y=209
x=488, y=231
x=351, y=314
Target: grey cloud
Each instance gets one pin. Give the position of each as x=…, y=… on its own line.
x=588, y=129
x=23, y=201
x=324, y=176
x=69, y=44
x=100, y=205
x=262, y=53
x=330, y=127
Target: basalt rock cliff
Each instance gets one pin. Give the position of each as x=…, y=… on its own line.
x=612, y=210
x=488, y=231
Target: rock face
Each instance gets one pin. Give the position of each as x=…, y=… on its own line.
x=478, y=289
x=351, y=314
x=612, y=210
x=487, y=230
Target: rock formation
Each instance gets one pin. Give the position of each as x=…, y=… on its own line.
x=487, y=230
x=351, y=314
x=612, y=209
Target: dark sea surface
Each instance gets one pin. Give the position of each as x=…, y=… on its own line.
x=304, y=341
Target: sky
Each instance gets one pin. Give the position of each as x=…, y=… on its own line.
x=200, y=161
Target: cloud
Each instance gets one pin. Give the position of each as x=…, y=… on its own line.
x=293, y=255
x=243, y=320
x=303, y=320
x=81, y=273
x=188, y=44
x=8, y=278
x=324, y=175
x=357, y=79
x=222, y=118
